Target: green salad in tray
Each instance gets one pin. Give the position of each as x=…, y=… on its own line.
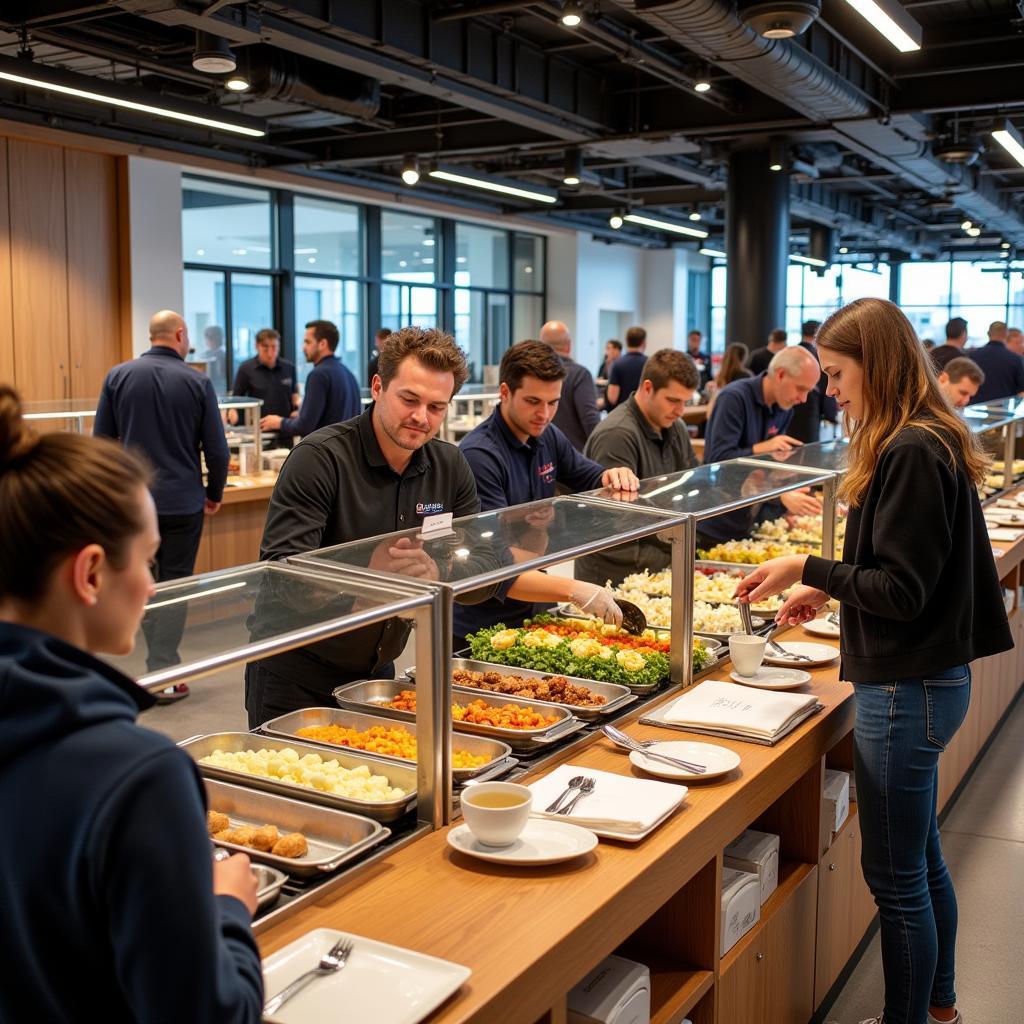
x=581, y=648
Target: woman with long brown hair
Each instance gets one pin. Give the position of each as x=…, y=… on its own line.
x=733, y=368
x=920, y=600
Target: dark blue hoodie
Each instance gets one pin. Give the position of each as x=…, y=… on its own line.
x=106, y=902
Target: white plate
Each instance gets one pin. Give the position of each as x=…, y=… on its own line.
x=1003, y=533
x=1004, y=517
x=719, y=760
x=822, y=627
x=380, y=983
x=541, y=842
x=774, y=678
x=820, y=654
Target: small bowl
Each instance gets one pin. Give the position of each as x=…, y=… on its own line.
x=496, y=826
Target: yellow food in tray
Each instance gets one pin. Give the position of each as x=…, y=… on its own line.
x=396, y=742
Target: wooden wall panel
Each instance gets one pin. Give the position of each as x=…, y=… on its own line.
x=6, y=325
x=39, y=280
x=92, y=267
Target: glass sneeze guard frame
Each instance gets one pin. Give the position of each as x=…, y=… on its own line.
x=77, y=411
x=1005, y=415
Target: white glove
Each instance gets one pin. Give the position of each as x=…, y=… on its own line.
x=596, y=601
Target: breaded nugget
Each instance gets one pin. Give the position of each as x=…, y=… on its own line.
x=292, y=845
x=265, y=838
x=216, y=822
x=241, y=836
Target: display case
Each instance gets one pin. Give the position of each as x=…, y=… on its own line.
x=68, y=414
x=997, y=424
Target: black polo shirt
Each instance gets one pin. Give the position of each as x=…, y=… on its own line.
x=336, y=486
x=275, y=385
x=626, y=372
x=1003, y=369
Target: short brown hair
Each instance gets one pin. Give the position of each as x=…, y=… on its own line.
x=324, y=330
x=58, y=493
x=433, y=348
x=267, y=334
x=667, y=365
x=777, y=335
x=957, y=369
x=529, y=359
x=635, y=337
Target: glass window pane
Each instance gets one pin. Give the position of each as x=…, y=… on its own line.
x=978, y=318
x=979, y=283
x=252, y=309
x=204, y=315
x=471, y=329
x=924, y=284
x=528, y=262
x=718, y=285
x=486, y=255
x=328, y=237
x=225, y=224
x=718, y=329
x=1017, y=290
x=824, y=290
x=341, y=302
x=1016, y=317
x=862, y=283
x=498, y=327
x=402, y=305
x=929, y=321
x=794, y=318
x=409, y=249
x=795, y=284
x=527, y=316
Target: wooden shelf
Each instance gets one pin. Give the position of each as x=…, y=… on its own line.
x=676, y=989
x=791, y=874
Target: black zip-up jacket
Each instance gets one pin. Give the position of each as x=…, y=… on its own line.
x=918, y=583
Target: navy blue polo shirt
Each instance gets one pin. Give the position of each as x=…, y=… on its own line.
x=332, y=396
x=275, y=385
x=512, y=472
x=161, y=406
x=1003, y=369
x=626, y=372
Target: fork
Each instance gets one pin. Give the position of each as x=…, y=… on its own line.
x=833, y=617
x=588, y=787
x=574, y=783
x=333, y=960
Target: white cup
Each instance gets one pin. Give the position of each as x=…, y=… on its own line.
x=747, y=653
x=496, y=826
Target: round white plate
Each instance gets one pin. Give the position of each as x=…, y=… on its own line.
x=1004, y=517
x=820, y=654
x=541, y=842
x=774, y=678
x=822, y=627
x=718, y=760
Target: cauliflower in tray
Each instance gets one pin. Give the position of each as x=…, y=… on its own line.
x=631, y=661
x=656, y=584
x=584, y=647
x=540, y=638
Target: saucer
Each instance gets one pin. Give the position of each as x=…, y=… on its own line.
x=774, y=678
x=542, y=842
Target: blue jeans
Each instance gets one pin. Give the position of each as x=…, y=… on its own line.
x=902, y=727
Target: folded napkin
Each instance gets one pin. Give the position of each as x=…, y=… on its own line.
x=619, y=803
x=740, y=710
x=1003, y=533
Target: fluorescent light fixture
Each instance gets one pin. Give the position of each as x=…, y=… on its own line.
x=82, y=87
x=506, y=188
x=665, y=225
x=809, y=260
x=889, y=18
x=1010, y=139
x=410, y=169
x=712, y=252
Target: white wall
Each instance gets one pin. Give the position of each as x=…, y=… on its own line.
x=154, y=212
x=607, y=277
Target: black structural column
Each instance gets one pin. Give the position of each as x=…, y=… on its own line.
x=757, y=243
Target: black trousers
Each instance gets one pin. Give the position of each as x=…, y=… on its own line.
x=176, y=558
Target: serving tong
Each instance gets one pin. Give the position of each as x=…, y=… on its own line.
x=748, y=627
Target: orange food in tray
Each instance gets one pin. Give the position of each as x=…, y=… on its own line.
x=507, y=716
x=396, y=742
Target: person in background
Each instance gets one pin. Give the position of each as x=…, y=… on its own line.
x=332, y=393
x=518, y=455
x=805, y=425
x=215, y=357
x=960, y=381
x=268, y=377
x=953, y=347
x=612, y=351
x=694, y=349
x=624, y=378
x=1003, y=369
x=1015, y=340
x=647, y=435
x=910, y=628
x=371, y=367
x=761, y=357
x=927, y=344
x=162, y=407
x=733, y=368
x=577, y=414
x=93, y=903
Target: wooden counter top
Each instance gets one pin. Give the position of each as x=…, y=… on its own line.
x=249, y=488
x=529, y=934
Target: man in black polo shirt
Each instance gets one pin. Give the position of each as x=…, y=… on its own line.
x=953, y=347
x=761, y=357
x=268, y=377
x=624, y=378
x=1003, y=369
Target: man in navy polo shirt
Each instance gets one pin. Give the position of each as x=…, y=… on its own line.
x=624, y=376
x=518, y=455
x=1003, y=368
x=750, y=418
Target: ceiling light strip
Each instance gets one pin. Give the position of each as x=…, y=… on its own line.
x=664, y=225
x=809, y=260
x=892, y=21
x=494, y=186
x=1010, y=139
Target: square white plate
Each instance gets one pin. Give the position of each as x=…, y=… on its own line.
x=380, y=983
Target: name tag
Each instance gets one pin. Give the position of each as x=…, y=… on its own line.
x=436, y=526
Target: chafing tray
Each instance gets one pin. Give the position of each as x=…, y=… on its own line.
x=617, y=696
x=232, y=742
x=269, y=882
x=288, y=725
x=375, y=693
x=334, y=837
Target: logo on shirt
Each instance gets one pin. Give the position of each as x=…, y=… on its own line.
x=773, y=430
x=547, y=472
x=429, y=508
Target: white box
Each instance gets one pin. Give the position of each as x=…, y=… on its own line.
x=836, y=799
x=616, y=991
x=741, y=905
x=757, y=852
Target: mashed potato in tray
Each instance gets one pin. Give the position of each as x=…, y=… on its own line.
x=311, y=771
x=716, y=618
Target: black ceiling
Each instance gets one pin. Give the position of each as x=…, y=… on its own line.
x=350, y=86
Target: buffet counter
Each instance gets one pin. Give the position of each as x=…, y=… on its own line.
x=232, y=537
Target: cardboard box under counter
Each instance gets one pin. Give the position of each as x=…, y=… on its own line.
x=741, y=905
x=836, y=798
x=616, y=991
x=758, y=853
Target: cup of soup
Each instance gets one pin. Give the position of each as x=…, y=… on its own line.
x=496, y=812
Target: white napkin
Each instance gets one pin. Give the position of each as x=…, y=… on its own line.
x=619, y=803
x=1001, y=533
x=742, y=710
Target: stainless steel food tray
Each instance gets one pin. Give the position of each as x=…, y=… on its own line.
x=289, y=725
x=616, y=696
x=232, y=742
x=335, y=837
x=374, y=693
x=269, y=883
